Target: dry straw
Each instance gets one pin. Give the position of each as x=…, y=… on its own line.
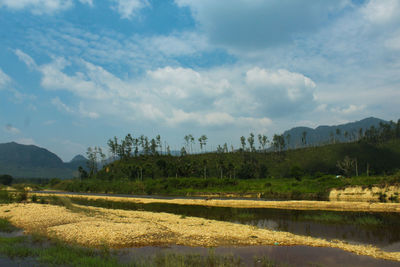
x=119, y=228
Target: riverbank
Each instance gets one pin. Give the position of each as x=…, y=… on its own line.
x=372, y=193
x=96, y=227
x=242, y=203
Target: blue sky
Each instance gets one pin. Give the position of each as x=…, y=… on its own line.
x=74, y=73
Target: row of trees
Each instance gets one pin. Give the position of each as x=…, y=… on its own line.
x=130, y=146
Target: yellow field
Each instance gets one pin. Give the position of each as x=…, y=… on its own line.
x=118, y=228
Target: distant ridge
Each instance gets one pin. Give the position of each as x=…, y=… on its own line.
x=328, y=134
x=30, y=161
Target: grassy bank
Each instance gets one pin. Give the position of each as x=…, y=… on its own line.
x=270, y=188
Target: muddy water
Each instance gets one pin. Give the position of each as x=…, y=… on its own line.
x=378, y=229
x=283, y=255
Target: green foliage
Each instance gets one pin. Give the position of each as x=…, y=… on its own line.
x=6, y=226
x=5, y=196
x=6, y=179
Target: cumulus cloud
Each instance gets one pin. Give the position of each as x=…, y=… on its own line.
x=129, y=8
x=259, y=24
x=240, y=96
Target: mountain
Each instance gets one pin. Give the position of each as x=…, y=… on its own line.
x=78, y=158
x=30, y=161
x=76, y=162
x=330, y=134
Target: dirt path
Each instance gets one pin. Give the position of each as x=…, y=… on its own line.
x=119, y=228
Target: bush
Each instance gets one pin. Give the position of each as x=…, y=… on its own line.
x=6, y=179
x=5, y=196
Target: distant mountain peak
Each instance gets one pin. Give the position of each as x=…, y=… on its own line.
x=324, y=134
x=78, y=158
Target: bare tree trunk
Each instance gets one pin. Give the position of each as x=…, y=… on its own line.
x=356, y=168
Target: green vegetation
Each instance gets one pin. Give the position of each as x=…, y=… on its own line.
x=275, y=173
x=270, y=188
x=6, y=179
x=6, y=226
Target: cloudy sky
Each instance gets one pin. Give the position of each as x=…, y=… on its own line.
x=74, y=73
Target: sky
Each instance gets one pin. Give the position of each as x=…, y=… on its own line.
x=74, y=73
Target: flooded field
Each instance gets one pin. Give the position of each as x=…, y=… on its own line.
x=379, y=229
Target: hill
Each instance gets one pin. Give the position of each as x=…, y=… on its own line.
x=321, y=135
x=30, y=161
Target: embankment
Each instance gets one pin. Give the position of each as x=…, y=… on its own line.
x=373, y=193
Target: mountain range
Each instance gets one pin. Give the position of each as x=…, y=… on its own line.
x=300, y=136
x=30, y=161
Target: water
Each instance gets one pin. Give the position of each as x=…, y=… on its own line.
x=378, y=229
x=284, y=255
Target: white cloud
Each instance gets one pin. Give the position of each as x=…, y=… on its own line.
x=257, y=25
x=61, y=106
x=87, y=2
x=26, y=59
x=85, y=113
x=349, y=109
x=175, y=95
x=382, y=11
x=9, y=128
x=38, y=7
x=130, y=8
x=4, y=79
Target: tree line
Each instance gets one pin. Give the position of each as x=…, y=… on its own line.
x=138, y=150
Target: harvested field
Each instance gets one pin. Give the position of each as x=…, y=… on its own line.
x=119, y=228
x=295, y=205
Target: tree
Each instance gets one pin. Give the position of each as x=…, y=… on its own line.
x=187, y=139
x=338, y=133
x=128, y=145
x=159, y=143
x=183, y=152
x=288, y=136
x=243, y=142
x=304, y=138
x=113, y=146
x=346, y=165
x=92, y=160
x=260, y=142
x=250, y=139
x=82, y=173
x=225, y=148
x=153, y=146
x=202, y=141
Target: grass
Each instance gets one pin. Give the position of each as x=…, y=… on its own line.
x=6, y=226
x=332, y=218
